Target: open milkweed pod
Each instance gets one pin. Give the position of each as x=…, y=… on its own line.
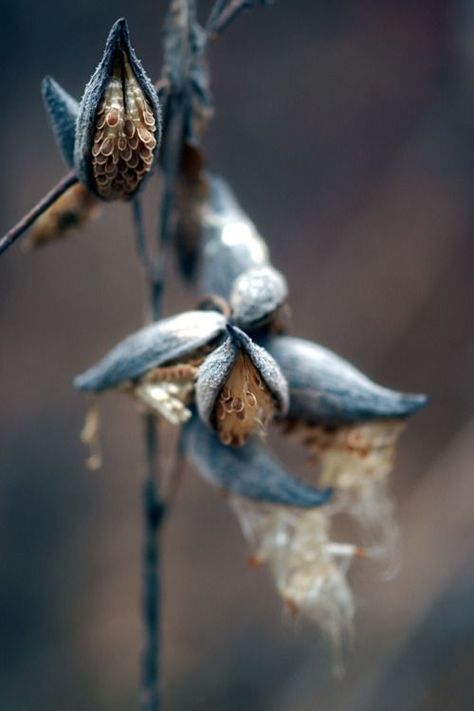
x=158, y=364
x=231, y=242
x=62, y=111
x=350, y=427
x=249, y=471
x=239, y=389
x=118, y=128
x=258, y=295
x=309, y=569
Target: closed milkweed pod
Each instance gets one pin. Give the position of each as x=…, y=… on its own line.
x=231, y=242
x=257, y=296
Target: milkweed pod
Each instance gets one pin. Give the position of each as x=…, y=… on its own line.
x=239, y=389
x=62, y=111
x=257, y=295
x=249, y=471
x=162, y=342
x=326, y=389
x=231, y=243
x=118, y=127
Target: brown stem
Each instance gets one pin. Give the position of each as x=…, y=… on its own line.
x=45, y=202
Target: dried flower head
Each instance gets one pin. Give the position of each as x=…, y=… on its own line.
x=239, y=389
x=69, y=212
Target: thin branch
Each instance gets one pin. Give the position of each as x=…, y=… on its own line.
x=21, y=227
x=225, y=11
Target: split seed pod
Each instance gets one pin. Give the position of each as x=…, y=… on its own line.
x=231, y=243
x=111, y=138
x=158, y=364
x=258, y=295
x=118, y=127
x=249, y=471
x=239, y=389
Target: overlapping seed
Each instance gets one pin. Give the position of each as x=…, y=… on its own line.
x=244, y=405
x=124, y=141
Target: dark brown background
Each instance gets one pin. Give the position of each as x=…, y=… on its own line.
x=346, y=129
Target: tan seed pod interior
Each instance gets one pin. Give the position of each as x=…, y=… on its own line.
x=244, y=405
x=125, y=136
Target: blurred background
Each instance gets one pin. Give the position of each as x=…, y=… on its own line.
x=346, y=130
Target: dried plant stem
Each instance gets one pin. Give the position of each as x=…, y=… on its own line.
x=153, y=511
x=20, y=228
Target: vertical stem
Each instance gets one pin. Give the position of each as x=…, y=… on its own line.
x=153, y=511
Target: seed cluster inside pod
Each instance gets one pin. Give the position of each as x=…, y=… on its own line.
x=167, y=391
x=244, y=404
x=124, y=140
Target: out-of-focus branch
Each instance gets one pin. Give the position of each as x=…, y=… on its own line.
x=21, y=227
x=225, y=11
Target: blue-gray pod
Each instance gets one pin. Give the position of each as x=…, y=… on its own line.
x=163, y=342
x=111, y=138
x=239, y=389
x=231, y=243
x=257, y=297
x=328, y=390
x=249, y=471
x=62, y=111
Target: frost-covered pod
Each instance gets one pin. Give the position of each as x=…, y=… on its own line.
x=62, y=111
x=249, y=471
x=158, y=365
x=159, y=343
x=239, y=389
x=118, y=128
x=257, y=297
x=231, y=243
x=325, y=388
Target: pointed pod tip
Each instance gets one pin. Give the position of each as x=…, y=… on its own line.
x=239, y=338
x=413, y=403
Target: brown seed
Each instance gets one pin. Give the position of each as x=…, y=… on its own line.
x=129, y=128
x=251, y=399
x=112, y=118
x=144, y=134
x=107, y=147
x=238, y=404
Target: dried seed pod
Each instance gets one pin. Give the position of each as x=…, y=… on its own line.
x=257, y=296
x=119, y=117
x=328, y=390
x=162, y=342
x=62, y=110
x=249, y=471
x=231, y=243
x=239, y=389
x=190, y=197
x=70, y=211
